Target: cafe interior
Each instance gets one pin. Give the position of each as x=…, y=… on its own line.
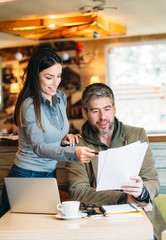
x=119, y=43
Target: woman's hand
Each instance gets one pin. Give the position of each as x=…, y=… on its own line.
x=70, y=140
x=85, y=154
x=134, y=188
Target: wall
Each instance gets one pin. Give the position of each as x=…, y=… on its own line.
x=97, y=65
x=93, y=61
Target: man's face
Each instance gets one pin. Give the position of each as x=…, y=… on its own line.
x=101, y=114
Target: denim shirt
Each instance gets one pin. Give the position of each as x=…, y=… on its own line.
x=39, y=151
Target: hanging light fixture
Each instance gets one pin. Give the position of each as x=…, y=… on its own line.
x=66, y=26
x=18, y=56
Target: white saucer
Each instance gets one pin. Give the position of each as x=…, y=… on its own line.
x=80, y=215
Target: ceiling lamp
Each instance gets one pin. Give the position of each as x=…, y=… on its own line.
x=67, y=26
x=5, y=1
x=94, y=79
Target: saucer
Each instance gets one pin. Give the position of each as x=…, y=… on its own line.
x=79, y=215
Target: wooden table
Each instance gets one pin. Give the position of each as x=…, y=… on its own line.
x=163, y=235
x=15, y=226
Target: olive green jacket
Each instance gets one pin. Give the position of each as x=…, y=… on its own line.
x=82, y=177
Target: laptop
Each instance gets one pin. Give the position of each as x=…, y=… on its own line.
x=33, y=195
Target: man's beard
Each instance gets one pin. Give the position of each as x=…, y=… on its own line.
x=105, y=131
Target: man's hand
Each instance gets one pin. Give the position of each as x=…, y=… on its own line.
x=85, y=154
x=134, y=188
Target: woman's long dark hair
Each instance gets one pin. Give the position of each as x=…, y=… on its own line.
x=42, y=59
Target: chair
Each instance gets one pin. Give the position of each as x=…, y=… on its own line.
x=160, y=201
x=2, y=208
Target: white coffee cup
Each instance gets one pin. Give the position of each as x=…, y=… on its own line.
x=69, y=208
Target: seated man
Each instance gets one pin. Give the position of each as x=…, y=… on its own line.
x=101, y=131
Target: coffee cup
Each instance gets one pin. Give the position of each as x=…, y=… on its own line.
x=69, y=208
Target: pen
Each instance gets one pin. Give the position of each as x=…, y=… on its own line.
x=133, y=206
x=96, y=153
x=103, y=211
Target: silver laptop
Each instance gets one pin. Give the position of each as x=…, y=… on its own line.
x=33, y=195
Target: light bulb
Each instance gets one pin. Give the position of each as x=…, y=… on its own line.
x=18, y=56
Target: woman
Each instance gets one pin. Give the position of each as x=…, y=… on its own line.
x=40, y=115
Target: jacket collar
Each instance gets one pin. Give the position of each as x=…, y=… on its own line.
x=90, y=136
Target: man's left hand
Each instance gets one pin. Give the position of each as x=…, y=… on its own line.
x=133, y=188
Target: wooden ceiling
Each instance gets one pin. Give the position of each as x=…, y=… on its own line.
x=140, y=18
x=77, y=25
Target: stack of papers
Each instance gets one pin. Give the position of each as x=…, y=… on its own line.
x=117, y=165
x=121, y=209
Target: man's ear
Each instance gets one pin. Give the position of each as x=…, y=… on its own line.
x=114, y=109
x=84, y=113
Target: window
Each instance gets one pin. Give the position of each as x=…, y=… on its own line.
x=137, y=75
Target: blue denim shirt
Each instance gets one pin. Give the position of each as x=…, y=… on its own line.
x=39, y=151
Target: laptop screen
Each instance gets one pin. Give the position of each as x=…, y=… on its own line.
x=33, y=195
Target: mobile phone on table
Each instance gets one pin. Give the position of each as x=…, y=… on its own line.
x=94, y=214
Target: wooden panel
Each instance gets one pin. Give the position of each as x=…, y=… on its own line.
x=7, y=156
x=62, y=176
x=157, y=138
x=158, y=145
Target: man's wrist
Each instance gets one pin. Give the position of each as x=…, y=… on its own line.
x=143, y=197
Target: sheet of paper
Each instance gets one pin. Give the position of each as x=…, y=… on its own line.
x=117, y=165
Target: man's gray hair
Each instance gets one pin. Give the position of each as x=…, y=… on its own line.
x=95, y=91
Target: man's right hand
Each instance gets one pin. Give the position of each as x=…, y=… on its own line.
x=84, y=154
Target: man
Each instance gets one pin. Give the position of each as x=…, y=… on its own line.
x=101, y=131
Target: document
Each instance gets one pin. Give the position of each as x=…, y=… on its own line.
x=117, y=165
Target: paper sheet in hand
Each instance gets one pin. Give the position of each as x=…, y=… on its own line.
x=117, y=165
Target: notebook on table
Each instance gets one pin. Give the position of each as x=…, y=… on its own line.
x=127, y=209
x=33, y=195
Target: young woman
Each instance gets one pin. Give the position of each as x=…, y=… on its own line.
x=40, y=115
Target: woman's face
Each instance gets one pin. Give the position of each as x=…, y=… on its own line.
x=50, y=79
